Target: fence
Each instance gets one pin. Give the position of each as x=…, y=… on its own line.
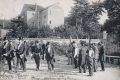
x=110, y=59
x=63, y=41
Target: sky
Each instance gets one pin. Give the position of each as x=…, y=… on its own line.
x=12, y=8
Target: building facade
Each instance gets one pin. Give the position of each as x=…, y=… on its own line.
x=3, y=32
x=37, y=16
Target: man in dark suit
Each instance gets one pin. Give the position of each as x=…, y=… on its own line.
x=37, y=53
x=0, y=50
x=4, y=49
x=102, y=56
x=43, y=51
x=82, y=58
x=20, y=55
x=75, y=57
x=9, y=55
x=50, y=55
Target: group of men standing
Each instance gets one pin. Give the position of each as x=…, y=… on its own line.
x=18, y=49
x=86, y=56
x=82, y=56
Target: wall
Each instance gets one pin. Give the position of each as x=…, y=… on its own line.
x=3, y=32
x=63, y=41
x=43, y=17
x=31, y=17
x=54, y=13
x=56, y=16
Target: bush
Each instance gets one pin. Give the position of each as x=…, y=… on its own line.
x=60, y=49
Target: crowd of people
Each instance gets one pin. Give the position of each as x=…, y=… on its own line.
x=83, y=57
x=86, y=56
x=18, y=49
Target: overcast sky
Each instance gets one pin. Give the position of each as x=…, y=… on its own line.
x=11, y=8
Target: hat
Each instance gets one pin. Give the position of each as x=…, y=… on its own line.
x=47, y=43
x=73, y=42
x=4, y=38
x=20, y=38
x=36, y=41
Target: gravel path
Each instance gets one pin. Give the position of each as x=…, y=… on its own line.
x=62, y=72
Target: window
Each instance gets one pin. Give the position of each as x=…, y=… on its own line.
x=33, y=24
x=50, y=22
x=44, y=16
x=50, y=12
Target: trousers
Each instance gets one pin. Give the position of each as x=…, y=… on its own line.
x=70, y=61
x=82, y=68
x=37, y=61
x=50, y=64
x=22, y=62
x=102, y=65
x=95, y=64
x=90, y=65
x=75, y=62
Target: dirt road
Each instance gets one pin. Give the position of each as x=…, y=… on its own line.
x=62, y=72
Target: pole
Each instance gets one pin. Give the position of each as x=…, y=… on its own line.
x=38, y=20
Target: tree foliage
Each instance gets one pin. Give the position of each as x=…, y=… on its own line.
x=17, y=28
x=42, y=32
x=86, y=16
x=112, y=25
x=81, y=23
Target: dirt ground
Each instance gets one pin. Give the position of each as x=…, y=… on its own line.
x=62, y=71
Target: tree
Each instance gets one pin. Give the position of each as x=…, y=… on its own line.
x=85, y=16
x=32, y=32
x=112, y=25
x=45, y=31
x=17, y=28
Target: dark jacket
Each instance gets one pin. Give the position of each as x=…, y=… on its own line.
x=9, y=51
x=5, y=50
x=37, y=49
x=11, y=55
x=69, y=52
x=49, y=55
x=1, y=48
x=21, y=51
x=102, y=53
x=82, y=56
x=33, y=48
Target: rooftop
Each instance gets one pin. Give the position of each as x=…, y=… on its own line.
x=31, y=7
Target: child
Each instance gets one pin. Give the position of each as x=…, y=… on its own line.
x=90, y=55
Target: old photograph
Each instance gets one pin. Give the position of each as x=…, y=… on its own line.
x=59, y=39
